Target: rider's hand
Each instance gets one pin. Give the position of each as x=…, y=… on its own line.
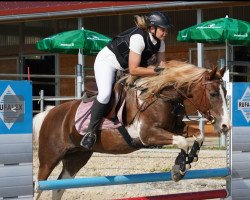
x=158, y=69
x=162, y=63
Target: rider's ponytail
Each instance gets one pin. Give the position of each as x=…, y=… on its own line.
x=140, y=22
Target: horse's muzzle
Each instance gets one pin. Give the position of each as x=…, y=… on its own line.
x=224, y=129
x=212, y=119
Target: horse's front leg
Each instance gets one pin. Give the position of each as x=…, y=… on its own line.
x=160, y=136
x=181, y=161
x=199, y=139
x=184, y=159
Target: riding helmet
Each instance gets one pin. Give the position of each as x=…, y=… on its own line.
x=157, y=18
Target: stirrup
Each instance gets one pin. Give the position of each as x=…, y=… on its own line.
x=88, y=140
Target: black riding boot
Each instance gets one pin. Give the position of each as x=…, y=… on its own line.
x=98, y=111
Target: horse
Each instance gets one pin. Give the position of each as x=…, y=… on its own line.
x=153, y=112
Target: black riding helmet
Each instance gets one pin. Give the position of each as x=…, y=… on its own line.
x=157, y=18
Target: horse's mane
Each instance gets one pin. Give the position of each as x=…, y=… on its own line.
x=176, y=73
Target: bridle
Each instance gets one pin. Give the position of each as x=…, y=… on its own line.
x=207, y=114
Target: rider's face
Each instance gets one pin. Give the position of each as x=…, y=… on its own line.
x=161, y=33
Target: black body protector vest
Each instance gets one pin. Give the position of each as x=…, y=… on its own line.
x=120, y=46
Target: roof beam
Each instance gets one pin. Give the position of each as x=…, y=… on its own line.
x=117, y=10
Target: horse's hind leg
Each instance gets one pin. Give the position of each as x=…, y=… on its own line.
x=37, y=193
x=72, y=163
x=43, y=174
x=47, y=163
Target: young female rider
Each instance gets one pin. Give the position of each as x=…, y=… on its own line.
x=130, y=49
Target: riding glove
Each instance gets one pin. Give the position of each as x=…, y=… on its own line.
x=158, y=69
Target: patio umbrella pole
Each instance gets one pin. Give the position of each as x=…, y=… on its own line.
x=227, y=53
x=80, y=87
x=79, y=81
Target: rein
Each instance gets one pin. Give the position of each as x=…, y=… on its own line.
x=206, y=115
x=143, y=107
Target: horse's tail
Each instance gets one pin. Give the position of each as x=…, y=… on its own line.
x=38, y=120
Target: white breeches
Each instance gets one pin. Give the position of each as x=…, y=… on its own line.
x=105, y=76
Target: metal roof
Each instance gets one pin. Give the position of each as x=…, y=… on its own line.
x=28, y=7
x=14, y=11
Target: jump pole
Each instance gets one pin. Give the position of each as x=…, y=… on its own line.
x=185, y=196
x=128, y=179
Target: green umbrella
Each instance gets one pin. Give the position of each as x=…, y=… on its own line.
x=70, y=42
x=218, y=31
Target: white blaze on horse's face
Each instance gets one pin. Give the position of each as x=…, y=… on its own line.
x=219, y=110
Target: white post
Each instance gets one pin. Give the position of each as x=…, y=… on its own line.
x=81, y=60
x=222, y=63
x=200, y=61
x=41, y=101
x=79, y=81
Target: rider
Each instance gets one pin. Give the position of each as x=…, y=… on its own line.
x=131, y=49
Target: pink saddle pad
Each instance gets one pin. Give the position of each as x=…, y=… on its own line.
x=82, y=118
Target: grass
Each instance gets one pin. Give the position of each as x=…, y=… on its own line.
x=167, y=169
x=213, y=148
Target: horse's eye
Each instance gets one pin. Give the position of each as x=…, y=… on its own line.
x=214, y=94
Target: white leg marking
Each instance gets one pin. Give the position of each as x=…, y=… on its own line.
x=57, y=194
x=180, y=142
x=37, y=192
x=200, y=138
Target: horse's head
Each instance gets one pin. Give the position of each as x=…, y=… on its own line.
x=211, y=100
x=201, y=89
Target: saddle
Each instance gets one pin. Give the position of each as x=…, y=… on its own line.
x=117, y=97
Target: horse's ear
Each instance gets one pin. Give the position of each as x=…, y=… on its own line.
x=212, y=73
x=222, y=71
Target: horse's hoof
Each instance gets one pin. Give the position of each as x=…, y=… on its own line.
x=195, y=159
x=176, y=173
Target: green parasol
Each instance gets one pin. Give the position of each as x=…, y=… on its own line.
x=218, y=31
x=70, y=42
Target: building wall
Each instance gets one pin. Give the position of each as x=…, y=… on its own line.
x=18, y=39
x=8, y=66
x=67, y=66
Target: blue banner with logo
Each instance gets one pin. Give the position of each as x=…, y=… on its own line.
x=15, y=107
x=241, y=104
